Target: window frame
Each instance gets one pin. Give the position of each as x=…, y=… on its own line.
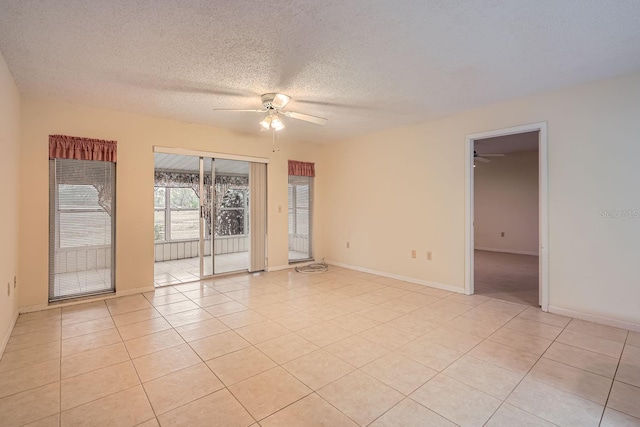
x=293, y=208
x=167, y=215
x=54, y=232
x=168, y=209
x=245, y=216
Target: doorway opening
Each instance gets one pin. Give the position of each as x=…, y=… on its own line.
x=202, y=217
x=506, y=212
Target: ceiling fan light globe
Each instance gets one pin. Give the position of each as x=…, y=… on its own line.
x=277, y=124
x=266, y=122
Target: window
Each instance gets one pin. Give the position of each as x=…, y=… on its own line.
x=299, y=212
x=159, y=220
x=231, y=205
x=82, y=219
x=176, y=214
x=184, y=214
x=177, y=210
x=231, y=214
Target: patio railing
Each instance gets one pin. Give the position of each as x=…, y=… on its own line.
x=169, y=251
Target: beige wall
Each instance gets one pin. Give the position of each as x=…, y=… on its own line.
x=506, y=201
x=9, y=160
x=385, y=193
x=136, y=135
x=394, y=191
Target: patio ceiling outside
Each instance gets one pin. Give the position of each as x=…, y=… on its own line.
x=171, y=162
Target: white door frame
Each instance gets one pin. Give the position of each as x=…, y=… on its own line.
x=543, y=206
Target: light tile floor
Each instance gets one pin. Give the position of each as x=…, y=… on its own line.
x=188, y=269
x=341, y=348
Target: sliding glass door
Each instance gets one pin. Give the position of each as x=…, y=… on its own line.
x=231, y=215
x=201, y=217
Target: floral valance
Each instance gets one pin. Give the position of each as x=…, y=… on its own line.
x=179, y=180
x=301, y=168
x=75, y=148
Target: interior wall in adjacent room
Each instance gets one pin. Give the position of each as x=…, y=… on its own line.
x=506, y=201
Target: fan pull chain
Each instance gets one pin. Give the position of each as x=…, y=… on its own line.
x=275, y=148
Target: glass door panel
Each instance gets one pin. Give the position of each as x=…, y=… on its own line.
x=231, y=219
x=176, y=219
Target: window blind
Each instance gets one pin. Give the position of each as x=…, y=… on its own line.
x=299, y=210
x=82, y=219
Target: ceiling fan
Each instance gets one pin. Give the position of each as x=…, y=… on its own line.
x=481, y=157
x=272, y=104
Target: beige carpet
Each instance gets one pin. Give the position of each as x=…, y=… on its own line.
x=508, y=277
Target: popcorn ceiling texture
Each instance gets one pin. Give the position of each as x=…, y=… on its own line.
x=365, y=65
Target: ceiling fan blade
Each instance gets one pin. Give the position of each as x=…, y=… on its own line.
x=492, y=155
x=482, y=159
x=246, y=111
x=306, y=117
x=334, y=104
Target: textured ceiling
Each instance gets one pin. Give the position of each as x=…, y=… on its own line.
x=366, y=65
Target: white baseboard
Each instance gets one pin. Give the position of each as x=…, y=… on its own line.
x=280, y=267
x=399, y=277
x=595, y=318
x=508, y=251
x=126, y=292
x=7, y=335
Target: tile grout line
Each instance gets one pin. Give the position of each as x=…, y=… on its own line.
x=153, y=411
x=522, y=379
x=441, y=372
x=613, y=381
x=438, y=372
x=392, y=351
x=188, y=343
x=285, y=370
x=344, y=296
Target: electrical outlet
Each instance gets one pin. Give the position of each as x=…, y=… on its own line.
x=347, y=245
x=502, y=234
x=413, y=253
x=429, y=256
x=8, y=288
